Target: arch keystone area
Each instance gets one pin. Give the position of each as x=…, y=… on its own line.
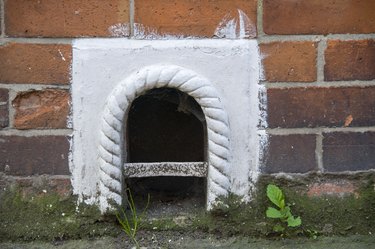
x=113, y=125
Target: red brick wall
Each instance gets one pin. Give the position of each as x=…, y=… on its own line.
x=319, y=62
x=318, y=59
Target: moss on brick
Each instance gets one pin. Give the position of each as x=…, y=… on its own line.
x=47, y=216
x=328, y=214
x=323, y=215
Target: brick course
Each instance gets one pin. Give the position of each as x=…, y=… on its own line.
x=41, y=109
x=317, y=107
x=289, y=61
x=290, y=154
x=318, y=16
x=35, y=63
x=350, y=60
x=191, y=17
x=348, y=151
x=64, y=18
x=23, y=156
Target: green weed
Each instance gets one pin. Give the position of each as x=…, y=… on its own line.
x=283, y=213
x=130, y=222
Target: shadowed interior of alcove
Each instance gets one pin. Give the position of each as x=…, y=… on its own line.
x=166, y=125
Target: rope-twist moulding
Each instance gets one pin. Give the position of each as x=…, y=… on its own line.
x=111, y=145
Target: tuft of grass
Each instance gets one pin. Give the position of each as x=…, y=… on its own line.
x=130, y=222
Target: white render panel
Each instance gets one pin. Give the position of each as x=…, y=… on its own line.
x=99, y=65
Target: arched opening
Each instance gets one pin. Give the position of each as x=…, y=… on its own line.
x=167, y=125
x=113, y=149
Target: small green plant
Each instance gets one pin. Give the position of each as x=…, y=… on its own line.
x=130, y=222
x=311, y=233
x=283, y=213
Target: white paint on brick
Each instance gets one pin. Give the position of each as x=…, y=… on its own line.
x=262, y=75
x=141, y=31
x=61, y=55
x=263, y=107
x=236, y=27
x=144, y=32
x=226, y=28
x=119, y=30
x=230, y=27
x=69, y=119
x=231, y=66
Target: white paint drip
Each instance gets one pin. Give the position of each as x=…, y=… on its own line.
x=262, y=95
x=69, y=120
x=238, y=27
x=61, y=54
x=226, y=28
x=263, y=147
x=262, y=75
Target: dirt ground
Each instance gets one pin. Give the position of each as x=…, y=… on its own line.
x=200, y=240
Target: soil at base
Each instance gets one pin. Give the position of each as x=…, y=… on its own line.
x=169, y=239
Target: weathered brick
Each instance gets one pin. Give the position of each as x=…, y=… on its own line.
x=35, y=63
x=289, y=61
x=318, y=16
x=350, y=60
x=290, y=154
x=41, y=185
x=4, y=115
x=194, y=17
x=41, y=109
x=25, y=156
x=321, y=107
x=65, y=18
x=61, y=186
x=348, y=151
x=338, y=188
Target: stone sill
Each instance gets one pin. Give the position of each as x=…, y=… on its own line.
x=196, y=169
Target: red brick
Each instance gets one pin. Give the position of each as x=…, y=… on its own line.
x=289, y=61
x=41, y=109
x=348, y=151
x=192, y=17
x=24, y=156
x=318, y=16
x=338, y=188
x=290, y=154
x=34, y=186
x=64, y=18
x=350, y=60
x=35, y=63
x=61, y=186
x=321, y=107
x=4, y=115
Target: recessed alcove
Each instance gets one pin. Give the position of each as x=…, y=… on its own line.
x=166, y=126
